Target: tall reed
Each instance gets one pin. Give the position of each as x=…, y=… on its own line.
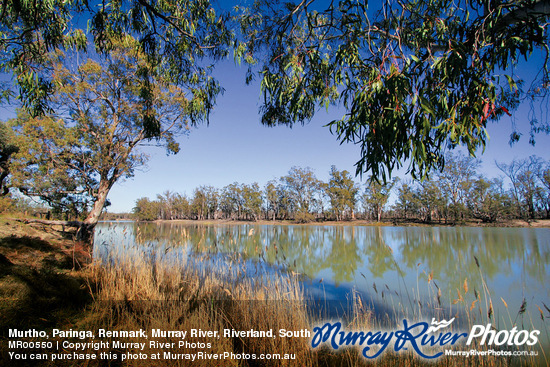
x=159, y=291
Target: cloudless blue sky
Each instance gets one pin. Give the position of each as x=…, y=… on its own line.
x=235, y=147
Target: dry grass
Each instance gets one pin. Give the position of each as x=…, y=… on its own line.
x=154, y=293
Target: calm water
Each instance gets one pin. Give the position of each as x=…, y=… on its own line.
x=395, y=269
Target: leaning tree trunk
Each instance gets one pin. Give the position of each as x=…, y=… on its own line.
x=86, y=230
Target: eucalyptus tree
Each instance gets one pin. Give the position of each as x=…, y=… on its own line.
x=28, y=31
x=166, y=204
x=544, y=177
x=524, y=176
x=231, y=201
x=342, y=191
x=512, y=170
x=205, y=202
x=376, y=196
x=456, y=180
x=407, y=202
x=106, y=108
x=529, y=184
x=7, y=150
x=302, y=185
x=199, y=208
x=271, y=199
x=182, y=207
x=488, y=201
x=431, y=201
x=321, y=200
x=146, y=209
x=174, y=34
x=252, y=201
x=414, y=77
x=286, y=206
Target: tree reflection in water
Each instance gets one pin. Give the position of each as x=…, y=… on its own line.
x=392, y=267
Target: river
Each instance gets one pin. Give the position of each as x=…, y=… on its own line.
x=497, y=275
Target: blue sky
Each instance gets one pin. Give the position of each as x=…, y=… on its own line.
x=236, y=147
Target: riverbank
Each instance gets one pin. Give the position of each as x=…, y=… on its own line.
x=516, y=223
x=47, y=281
x=44, y=280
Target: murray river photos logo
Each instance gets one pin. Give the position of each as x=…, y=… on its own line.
x=418, y=336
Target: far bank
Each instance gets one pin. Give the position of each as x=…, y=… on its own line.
x=537, y=223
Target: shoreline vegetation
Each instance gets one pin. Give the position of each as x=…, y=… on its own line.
x=536, y=223
x=456, y=196
x=48, y=281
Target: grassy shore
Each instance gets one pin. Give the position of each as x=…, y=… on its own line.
x=40, y=269
x=48, y=281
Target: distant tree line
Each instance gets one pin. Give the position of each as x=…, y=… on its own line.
x=457, y=193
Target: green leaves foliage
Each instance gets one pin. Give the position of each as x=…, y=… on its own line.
x=40, y=167
x=174, y=34
x=105, y=109
x=342, y=191
x=414, y=78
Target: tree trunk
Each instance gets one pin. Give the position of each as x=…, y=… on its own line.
x=531, y=209
x=86, y=231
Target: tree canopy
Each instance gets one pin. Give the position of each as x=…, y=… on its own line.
x=342, y=191
x=414, y=77
x=174, y=34
x=460, y=194
x=106, y=109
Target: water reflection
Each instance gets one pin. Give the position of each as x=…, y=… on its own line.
x=392, y=267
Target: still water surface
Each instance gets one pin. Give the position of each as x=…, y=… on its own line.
x=397, y=270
